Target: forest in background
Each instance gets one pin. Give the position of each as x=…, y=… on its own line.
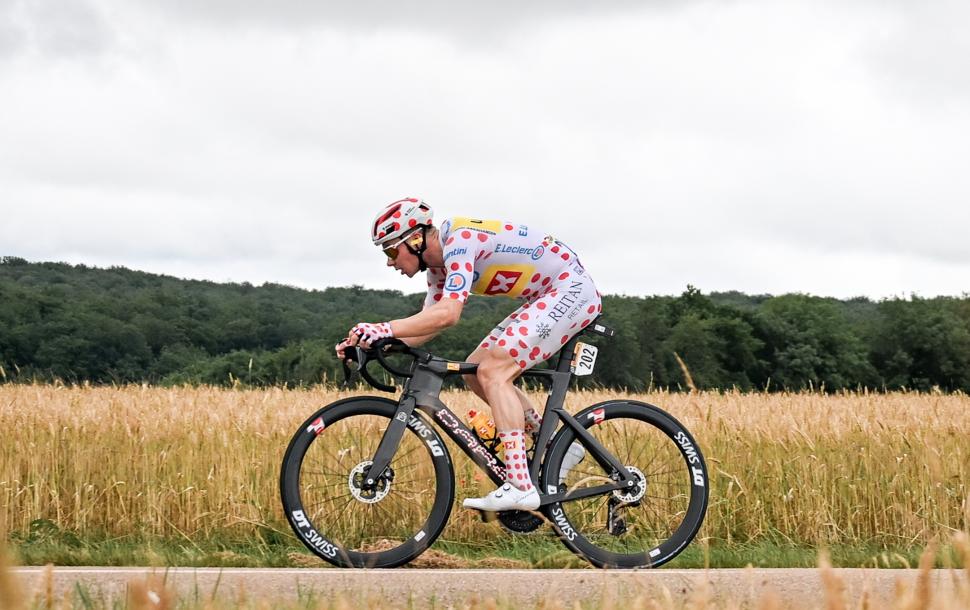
x=76, y=323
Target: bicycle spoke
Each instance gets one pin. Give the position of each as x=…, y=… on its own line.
x=665, y=493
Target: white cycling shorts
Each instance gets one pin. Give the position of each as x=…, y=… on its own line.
x=540, y=327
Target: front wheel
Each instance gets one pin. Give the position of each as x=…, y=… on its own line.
x=344, y=521
x=643, y=527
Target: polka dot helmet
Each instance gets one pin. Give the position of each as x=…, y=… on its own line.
x=398, y=218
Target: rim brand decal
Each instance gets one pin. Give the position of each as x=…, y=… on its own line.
x=563, y=524
x=688, y=447
x=317, y=426
x=418, y=426
x=597, y=415
x=312, y=536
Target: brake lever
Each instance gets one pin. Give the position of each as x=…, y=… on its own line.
x=360, y=360
x=358, y=357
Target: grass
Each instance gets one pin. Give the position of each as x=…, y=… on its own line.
x=154, y=592
x=113, y=475
x=540, y=550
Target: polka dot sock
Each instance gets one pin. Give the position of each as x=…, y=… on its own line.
x=532, y=421
x=516, y=466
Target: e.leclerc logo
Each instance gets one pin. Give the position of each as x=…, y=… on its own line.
x=537, y=254
x=455, y=281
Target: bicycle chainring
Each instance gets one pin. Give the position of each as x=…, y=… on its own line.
x=519, y=521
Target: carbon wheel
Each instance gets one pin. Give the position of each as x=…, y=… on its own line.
x=336, y=515
x=645, y=526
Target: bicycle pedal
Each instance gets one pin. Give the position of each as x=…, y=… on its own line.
x=487, y=516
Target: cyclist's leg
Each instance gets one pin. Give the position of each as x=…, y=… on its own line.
x=475, y=386
x=540, y=328
x=496, y=372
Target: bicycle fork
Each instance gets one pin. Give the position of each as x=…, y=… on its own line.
x=390, y=441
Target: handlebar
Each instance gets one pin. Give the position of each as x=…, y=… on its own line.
x=376, y=351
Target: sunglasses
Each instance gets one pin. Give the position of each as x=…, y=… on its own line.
x=414, y=239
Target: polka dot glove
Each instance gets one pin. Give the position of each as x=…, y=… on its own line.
x=369, y=333
x=340, y=347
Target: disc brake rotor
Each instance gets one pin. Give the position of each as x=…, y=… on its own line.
x=639, y=489
x=378, y=492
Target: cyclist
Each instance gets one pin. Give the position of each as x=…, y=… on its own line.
x=493, y=258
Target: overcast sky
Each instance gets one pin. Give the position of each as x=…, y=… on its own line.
x=762, y=146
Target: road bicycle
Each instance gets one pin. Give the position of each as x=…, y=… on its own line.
x=369, y=482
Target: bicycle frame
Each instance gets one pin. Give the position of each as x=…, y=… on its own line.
x=421, y=392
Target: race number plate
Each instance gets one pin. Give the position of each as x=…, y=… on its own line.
x=584, y=357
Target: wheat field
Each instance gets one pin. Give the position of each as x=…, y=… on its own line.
x=805, y=468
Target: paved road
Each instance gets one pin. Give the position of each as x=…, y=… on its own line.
x=795, y=588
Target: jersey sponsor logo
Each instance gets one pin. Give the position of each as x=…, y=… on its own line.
x=503, y=282
x=537, y=254
x=455, y=252
x=455, y=282
x=523, y=230
x=504, y=279
x=492, y=227
x=504, y=249
x=568, y=299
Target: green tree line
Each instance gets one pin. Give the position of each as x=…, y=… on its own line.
x=76, y=323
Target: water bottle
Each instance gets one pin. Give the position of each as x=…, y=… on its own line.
x=484, y=428
x=481, y=424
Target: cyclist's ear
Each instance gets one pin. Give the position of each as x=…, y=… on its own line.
x=417, y=239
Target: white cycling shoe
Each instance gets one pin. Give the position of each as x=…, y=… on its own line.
x=574, y=455
x=506, y=497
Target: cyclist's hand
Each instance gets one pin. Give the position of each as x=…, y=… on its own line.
x=340, y=347
x=366, y=333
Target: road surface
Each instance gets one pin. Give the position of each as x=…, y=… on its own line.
x=794, y=588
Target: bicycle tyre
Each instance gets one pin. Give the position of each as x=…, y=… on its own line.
x=656, y=534
x=368, y=530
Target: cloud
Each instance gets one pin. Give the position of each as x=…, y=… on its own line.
x=441, y=16
x=924, y=55
x=54, y=29
x=750, y=145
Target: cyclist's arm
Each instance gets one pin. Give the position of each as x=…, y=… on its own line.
x=418, y=341
x=428, y=322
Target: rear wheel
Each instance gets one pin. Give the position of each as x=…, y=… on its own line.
x=338, y=517
x=641, y=527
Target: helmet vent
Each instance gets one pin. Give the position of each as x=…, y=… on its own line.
x=390, y=212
